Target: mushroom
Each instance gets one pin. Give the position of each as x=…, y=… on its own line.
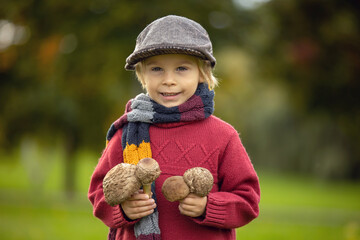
x=120, y=183
x=175, y=188
x=196, y=180
x=147, y=171
x=125, y=179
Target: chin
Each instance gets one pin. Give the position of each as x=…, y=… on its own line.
x=170, y=106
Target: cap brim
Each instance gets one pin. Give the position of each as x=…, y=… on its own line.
x=138, y=56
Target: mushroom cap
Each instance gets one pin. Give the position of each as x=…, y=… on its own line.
x=199, y=180
x=120, y=183
x=147, y=170
x=174, y=188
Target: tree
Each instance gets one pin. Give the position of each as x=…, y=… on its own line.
x=312, y=47
x=65, y=78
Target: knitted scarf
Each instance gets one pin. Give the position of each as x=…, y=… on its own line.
x=142, y=111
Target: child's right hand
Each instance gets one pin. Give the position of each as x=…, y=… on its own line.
x=138, y=206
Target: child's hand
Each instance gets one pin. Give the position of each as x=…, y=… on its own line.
x=193, y=205
x=138, y=206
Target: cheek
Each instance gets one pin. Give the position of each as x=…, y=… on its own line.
x=147, y=82
x=146, y=86
x=150, y=88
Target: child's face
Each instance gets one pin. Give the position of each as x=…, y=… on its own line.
x=171, y=79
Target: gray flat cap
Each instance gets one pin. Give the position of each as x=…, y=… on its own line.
x=172, y=35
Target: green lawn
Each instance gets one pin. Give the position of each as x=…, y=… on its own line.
x=302, y=208
x=32, y=206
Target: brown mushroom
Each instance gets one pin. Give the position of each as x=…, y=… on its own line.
x=175, y=188
x=125, y=179
x=195, y=180
x=147, y=171
x=199, y=180
x=120, y=183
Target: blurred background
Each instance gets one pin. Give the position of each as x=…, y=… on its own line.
x=289, y=83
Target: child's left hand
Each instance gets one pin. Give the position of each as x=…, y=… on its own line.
x=193, y=205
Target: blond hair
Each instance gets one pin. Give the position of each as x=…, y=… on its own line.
x=205, y=69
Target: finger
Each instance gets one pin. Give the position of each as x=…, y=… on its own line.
x=142, y=209
x=141, y=203
x=139, y=196
x=187, y=207
x=191, y=199
x=141, y=191
x=187, y=201
x=137, y=212
x=193, y=206
x=187, y=212
x=134, y=216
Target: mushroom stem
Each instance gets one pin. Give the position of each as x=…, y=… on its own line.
x=147, y=189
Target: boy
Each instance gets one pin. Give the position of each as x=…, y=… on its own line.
x=173, y=123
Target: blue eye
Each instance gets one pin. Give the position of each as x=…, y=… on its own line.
x=181, y=69
x=156, y=69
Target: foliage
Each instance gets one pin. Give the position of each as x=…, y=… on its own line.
x=64, y=78
x=312, y=48
x=293, y=83
x=288, y=74
x=68, y=78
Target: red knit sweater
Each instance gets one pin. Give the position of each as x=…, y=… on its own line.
x=212, y=144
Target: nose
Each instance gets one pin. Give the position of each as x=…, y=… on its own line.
x=169, y=79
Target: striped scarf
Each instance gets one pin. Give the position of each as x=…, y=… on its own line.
x=142, y=111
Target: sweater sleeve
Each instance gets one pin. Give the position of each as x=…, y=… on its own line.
x=113, y=217
x=237, y=201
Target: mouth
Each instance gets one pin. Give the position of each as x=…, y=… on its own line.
x=171, y=94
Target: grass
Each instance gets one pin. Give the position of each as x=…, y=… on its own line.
x=32, y=205
x=38, y=209
x=295, y=207
x=48, y=218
